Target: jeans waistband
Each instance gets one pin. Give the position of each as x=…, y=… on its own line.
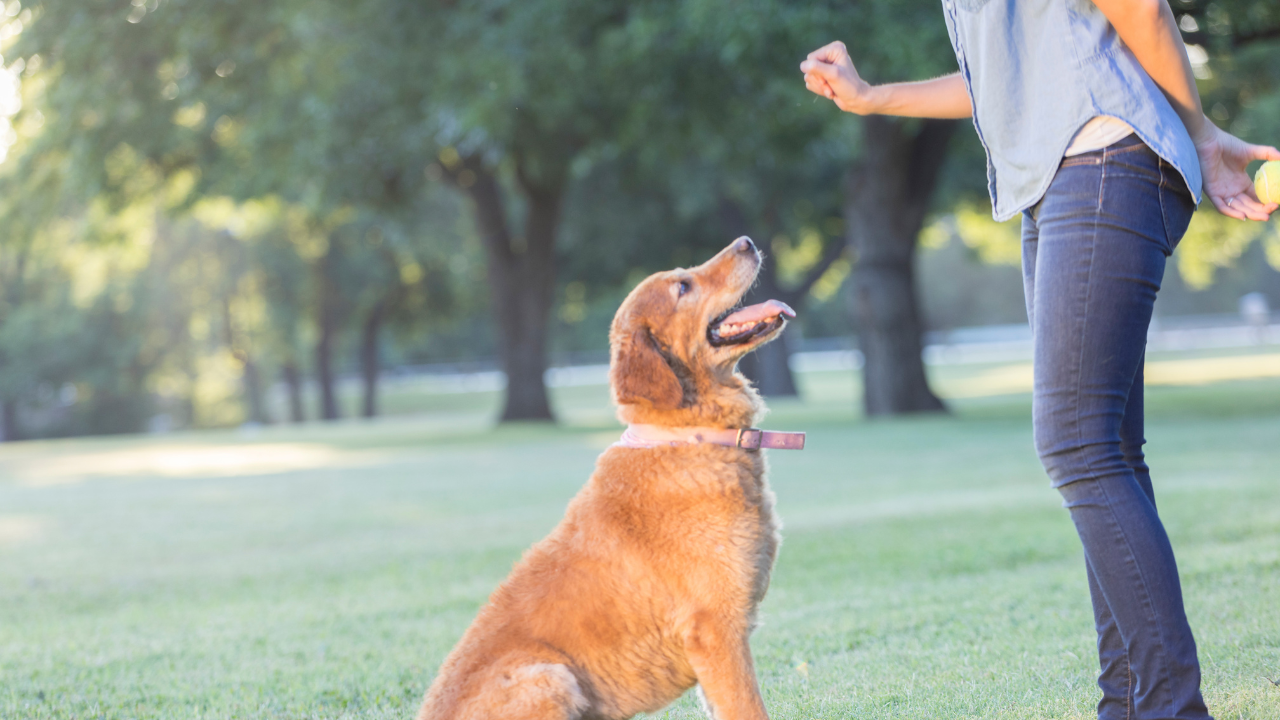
x=1129, y=149
x=1126, y=141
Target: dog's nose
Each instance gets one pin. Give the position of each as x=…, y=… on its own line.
x=744, y=245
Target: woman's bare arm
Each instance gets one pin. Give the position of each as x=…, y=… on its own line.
x=1148, y=28
x=829, y=72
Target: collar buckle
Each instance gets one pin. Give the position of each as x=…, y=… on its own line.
x=753, y=442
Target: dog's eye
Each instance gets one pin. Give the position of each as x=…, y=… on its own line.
x=682, y=287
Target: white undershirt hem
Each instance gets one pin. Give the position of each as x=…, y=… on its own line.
x=1099, y=132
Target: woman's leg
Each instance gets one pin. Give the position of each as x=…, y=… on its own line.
x=1115, y=678
x=1095, y=255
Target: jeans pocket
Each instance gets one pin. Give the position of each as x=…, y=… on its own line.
x=1176, y=207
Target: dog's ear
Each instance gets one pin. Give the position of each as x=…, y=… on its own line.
x=640, y=372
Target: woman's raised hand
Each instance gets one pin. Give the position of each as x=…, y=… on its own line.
x=829, y=72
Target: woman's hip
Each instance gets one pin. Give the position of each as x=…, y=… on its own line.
x=1124, y=190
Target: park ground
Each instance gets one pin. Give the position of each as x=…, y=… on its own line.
x=323, y=571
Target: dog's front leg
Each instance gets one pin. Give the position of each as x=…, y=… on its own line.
x=720, y=657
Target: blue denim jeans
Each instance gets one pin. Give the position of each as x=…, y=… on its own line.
x=1093, y=256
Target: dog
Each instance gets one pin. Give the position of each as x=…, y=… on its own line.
x=651, y=582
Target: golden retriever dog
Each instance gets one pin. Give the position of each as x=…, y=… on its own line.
x=650, y=583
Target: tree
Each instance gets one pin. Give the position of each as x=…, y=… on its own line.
x=719, y=142
x=890, y=189
x=222, y=92
x=685, y=96
x=892, y=167
x=690, y=111
x=515, y=113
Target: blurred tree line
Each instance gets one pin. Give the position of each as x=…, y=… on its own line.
x=206, y=199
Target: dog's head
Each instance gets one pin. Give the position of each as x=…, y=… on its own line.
x=676, y=341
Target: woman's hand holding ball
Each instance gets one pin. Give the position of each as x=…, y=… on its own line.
x=1223, y=158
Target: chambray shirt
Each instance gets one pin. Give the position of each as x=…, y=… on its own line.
x=1038, y=70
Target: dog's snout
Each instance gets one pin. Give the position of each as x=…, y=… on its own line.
x=744, y=245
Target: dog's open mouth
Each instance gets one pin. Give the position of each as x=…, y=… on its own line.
x=735, y=327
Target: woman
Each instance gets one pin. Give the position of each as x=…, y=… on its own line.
x=1095, y=133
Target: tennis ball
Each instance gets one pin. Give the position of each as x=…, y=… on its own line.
x=1267, y=182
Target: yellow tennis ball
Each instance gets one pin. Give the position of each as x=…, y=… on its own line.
x=1267, y=182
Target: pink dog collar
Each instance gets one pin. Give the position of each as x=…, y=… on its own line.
x=652, y=436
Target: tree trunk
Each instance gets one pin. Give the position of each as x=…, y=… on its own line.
x=257, y=409
x=889, y=193
x=293, y=385
x=324, y=372
x=9, y=421
x=253, y=393
x=521, y=274
x=769, y=367
x=369, y=357
x=14, y=287
x=328, y=322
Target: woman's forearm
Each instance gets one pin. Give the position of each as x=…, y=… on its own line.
x=943, y=97
x=829, y=72
x=1148, y=28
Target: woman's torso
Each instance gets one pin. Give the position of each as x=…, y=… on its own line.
x=1037, y=72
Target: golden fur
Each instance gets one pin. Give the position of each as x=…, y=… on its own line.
x=650, y=583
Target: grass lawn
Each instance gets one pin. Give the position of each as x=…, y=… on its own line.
x=927, y=569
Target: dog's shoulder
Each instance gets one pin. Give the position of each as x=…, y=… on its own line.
x=684, y=498
x=692, y=472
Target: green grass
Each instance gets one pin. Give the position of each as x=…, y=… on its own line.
x=927, y=569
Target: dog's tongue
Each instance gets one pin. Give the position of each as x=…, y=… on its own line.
x=763, y=311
